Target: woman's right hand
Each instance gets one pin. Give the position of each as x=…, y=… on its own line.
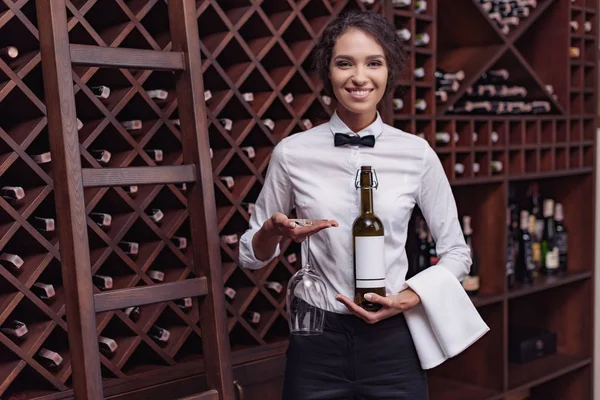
x=280, y=225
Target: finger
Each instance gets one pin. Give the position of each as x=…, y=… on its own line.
x=355, y=309
x=375, y=298
x=281, y=221
x=316, y=227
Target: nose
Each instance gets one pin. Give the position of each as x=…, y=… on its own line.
x=359, y=78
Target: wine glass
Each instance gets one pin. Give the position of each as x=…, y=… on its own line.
x=304, y=318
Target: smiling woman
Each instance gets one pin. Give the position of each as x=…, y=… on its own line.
x=366, y=349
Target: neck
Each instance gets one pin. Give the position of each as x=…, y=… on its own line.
x=356, y=122
x=366, y=200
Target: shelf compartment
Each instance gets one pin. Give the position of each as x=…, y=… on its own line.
x=576, y=384
x=543, y=370
x=473, y=368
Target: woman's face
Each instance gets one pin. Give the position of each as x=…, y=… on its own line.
x=358, y=71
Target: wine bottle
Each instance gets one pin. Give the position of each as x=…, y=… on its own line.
x=228, y=180
x=269, y=123
x=494, y=76
x=474, y=137
x=524, y=266
x=419, y=73
x=574, y=26
x=249, y=207
x=176, y=121
x=79, y=124
x=102, y=156
x=157, y=94
x=496, y=166
x=249, y=151
x=183, y=186
x=42, y=158
x=292, y=258
x=133, y=313
x=107, y=346
x=229, y=292
x=459, y=169
x=184, y=303
x=133, y=125
x=476, y=168
x=248, y=96
x=274, y=286
x=444, y=137
x=156, y=215
x=207, y=95
x=43, y=224
x=368, y=245
x=307, y=123
x=180, y=242
x=252, y=316
x=420, y=6
x=12, y=262
x=587, y=26
x=400, y=3
x=156, y=275
x=398, y=104
x=12, y=194
x=159, y=334
x=422, y=39
x=131, y=190
x=494, y=137
x=326, y=100
x=44, y=291
x=102, y=219
x=550, y=253
x=510, y=251
x=130, y=248
x=455, y=76
x=229, y=239
x=9, y=53
x=14, y=328
x=441, y=96
x=155, y=154
x=103, y=282
x=101, y=91
x=420, y=105
x=562, y=238
x=403, y=34
x=471, y=281
x=536, y=249
x=288, y=98
x=49, y=359
x=574, y=52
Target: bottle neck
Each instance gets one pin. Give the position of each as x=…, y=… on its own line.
x=366, y=200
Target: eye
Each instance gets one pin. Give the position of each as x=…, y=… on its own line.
x=375, y=64
x=342, y=64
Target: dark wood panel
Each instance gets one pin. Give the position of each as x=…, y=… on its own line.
x=126, y=58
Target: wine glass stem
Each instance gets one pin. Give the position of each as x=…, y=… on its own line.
x=307, y=265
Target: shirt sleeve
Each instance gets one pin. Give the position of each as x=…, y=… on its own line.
x=436, y=201
x=275, y=196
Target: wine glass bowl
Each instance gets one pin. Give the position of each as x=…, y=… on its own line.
x=304, y=318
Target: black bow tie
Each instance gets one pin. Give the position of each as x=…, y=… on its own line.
x=342, y=139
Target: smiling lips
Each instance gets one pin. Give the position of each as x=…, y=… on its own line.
x=359, y=94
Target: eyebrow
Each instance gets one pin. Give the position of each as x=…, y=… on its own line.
x=345, y=57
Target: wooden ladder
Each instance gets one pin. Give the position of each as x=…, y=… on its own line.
x=58, y=56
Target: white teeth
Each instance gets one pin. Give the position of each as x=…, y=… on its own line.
x=360, y=92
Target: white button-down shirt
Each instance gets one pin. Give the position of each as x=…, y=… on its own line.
x=308, y=172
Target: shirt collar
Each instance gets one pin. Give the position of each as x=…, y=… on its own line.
x=338, y=126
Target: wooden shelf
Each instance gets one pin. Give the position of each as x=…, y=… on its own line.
x=446, y=389
x=542, y=370
x=548, y=282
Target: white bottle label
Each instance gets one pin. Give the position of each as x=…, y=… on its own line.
x=370, y=262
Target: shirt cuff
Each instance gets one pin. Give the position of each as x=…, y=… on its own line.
x=247, y=258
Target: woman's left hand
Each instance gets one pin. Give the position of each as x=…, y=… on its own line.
x=391, y=305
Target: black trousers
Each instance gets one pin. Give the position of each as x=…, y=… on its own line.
x=355, y=360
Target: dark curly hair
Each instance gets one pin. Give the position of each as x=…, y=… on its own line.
x=371, y=23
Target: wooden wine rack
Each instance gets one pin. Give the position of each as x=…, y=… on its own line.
x=264, y=47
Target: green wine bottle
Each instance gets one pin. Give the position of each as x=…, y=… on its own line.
x=368, y=240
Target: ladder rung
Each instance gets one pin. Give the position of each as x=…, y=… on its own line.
x=105, y=177
x=210, y=395
x=118, y=57
x=138, y=296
